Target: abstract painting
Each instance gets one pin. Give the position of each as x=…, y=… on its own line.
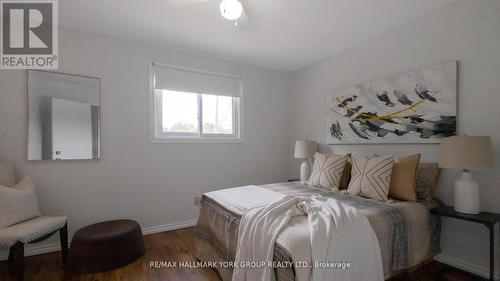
x=419, y=106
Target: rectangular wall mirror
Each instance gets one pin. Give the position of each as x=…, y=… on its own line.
x=63, y=116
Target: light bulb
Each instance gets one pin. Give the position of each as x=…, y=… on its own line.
x=231, y=9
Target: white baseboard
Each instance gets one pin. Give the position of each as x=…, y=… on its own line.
x=37, y=249
x=467, y=266
x=33, y=250
x=168, y=227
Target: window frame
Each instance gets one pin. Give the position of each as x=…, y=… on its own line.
x=155, y=121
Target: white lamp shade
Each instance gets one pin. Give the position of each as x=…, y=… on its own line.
x=305, y=149
x=466, y=152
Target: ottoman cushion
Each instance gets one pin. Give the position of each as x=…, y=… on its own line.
x=105, y=246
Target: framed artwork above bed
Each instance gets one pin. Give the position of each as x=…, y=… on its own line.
x=418, y=106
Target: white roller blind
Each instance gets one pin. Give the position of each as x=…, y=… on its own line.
x=186, y=80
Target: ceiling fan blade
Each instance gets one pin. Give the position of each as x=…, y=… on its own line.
x=243, y=23
x=184, y=2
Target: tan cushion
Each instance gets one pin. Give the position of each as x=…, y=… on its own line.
x=18, y=203
x=327, y=170
x=427, y=180
x=371, y=176
x=404, y=178
x=30, y=230
x=7, y=176
x=346, y=176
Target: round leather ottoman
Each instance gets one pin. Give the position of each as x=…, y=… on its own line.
x=105, y=246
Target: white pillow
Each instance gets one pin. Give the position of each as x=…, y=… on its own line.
x=18, y=203
x=371, y=176
x=327, y=170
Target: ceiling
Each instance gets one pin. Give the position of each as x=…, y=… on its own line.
x=284, y=34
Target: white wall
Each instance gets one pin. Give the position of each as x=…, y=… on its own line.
x=467, y=31
x=152, y=183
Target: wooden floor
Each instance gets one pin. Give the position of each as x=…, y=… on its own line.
x=178, y=246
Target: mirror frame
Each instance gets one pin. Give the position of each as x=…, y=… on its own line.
x=99, y=115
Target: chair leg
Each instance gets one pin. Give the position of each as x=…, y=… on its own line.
x=63, y=237
x=16, y=259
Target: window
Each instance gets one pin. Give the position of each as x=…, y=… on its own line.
x=179, y=112
x=191, y=114
x=194, y=106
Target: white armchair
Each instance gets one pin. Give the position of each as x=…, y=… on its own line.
x=20, y=220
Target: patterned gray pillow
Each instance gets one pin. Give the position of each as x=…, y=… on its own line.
x=327, y=171
x=371, y=176
x=427, y=180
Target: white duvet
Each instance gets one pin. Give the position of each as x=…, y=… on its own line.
x=343, y=245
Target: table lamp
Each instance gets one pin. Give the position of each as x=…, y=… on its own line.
x=305, y=149
x=466, y=153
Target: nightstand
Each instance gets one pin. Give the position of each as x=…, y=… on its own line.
x=487, y=219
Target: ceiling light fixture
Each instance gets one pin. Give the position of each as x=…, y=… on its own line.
x=231, y=9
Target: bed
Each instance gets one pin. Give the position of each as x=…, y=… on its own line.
x=408, y=234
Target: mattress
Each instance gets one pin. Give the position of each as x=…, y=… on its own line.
x=407, y=232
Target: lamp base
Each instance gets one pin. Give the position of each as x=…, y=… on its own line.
x=305, y=170
x=466, y=194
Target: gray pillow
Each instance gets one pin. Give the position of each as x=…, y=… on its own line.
x=427, y=180
x=327, y=170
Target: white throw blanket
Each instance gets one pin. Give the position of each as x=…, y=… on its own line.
x=340, y=236
x=243, y=198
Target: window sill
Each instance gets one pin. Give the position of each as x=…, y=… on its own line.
x=196, y=140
